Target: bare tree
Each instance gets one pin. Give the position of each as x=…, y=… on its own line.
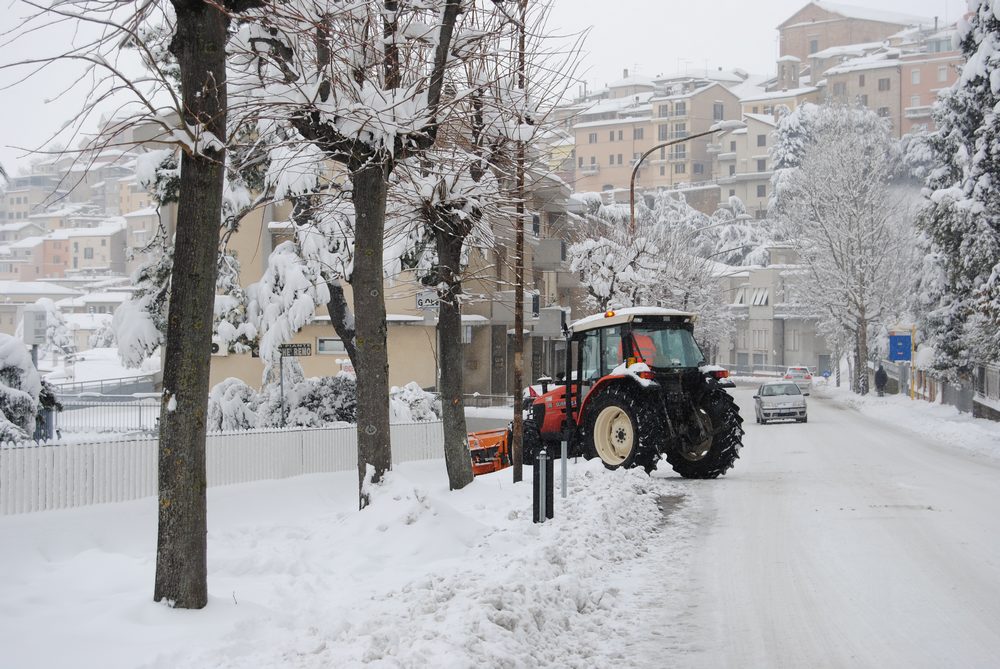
x=850, y=228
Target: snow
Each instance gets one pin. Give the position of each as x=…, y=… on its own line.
x=298, y=577
x=937, y=422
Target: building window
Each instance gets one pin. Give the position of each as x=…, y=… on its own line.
x=611, y=136
x=861, y=81
x=620, y=135
x=56, y=260
x=663, y=132
x=636, y=156
x=732, y=191
x=759, y=299
x=699, y=168
x=680, y=168
x=863, y=99
x=637, y=133
x=593, y=160
x=915, y=101
x=592, y=138
x=718, y=111
x=663, y=170
x=761, y=140
x=680, y=109
x=663, y=110
x=104, y=242
x=813, y=46
x=663, y=153
x=761, y=190
x=768, y=109
x=883, y=84
x=580, y=162
x=88, y=253
x=732, y=171
x=330, y=346
x=754, y=110
x=914, y=76
x=611, y=159
x=839, y=89
x=732, y=146
x=943, y=74
x=680, y=152
x=762, y=165
x=883, y=111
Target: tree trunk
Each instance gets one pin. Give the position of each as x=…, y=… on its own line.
x=372, y=362
x=181, y=573
x=449, y=328
x=863, y=383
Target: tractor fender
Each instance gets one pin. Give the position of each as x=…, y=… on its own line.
x=613, y=379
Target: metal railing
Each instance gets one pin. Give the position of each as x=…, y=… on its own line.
x=121, y=414
x=987, y=379
x=105, y=386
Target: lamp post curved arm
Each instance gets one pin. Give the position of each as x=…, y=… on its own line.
x=718, y=127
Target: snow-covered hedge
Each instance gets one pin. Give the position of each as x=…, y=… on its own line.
x=20, y=387
x=315, y=402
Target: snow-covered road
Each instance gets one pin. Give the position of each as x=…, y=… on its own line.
x=842, y=543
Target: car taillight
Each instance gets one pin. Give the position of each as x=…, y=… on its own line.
x=808, y=376
x=788, y=376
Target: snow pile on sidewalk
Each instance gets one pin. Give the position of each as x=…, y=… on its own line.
x=938, y=422
x=298, y=577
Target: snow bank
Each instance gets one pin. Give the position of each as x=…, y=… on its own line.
x=298, y=577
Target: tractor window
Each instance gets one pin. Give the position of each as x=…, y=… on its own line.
x=674, y=347
x=590, y=356
x=612, y=340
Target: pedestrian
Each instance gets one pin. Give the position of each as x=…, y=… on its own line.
x=881, y=378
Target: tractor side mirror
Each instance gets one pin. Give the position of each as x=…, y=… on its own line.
x=756, y=397
x=805, y=394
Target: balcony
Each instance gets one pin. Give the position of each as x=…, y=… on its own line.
x=589, y=170
x=713, y=148
x=923, y=111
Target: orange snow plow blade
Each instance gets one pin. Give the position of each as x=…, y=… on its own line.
x=490, y=450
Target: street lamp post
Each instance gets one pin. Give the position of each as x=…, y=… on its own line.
x=718, y=127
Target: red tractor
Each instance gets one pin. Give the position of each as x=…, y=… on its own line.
x=636, y=391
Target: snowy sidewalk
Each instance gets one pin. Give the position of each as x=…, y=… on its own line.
x=941, y=423
x=298, y=577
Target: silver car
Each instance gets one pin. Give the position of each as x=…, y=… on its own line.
x=802, y=377
x=780, y=400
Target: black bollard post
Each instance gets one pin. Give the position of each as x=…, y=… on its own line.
x=543, y=505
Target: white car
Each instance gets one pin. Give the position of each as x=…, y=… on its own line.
x=780, y=400
x=801, y=376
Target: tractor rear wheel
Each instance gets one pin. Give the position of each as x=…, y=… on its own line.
x=622, y=428
x=717, y=455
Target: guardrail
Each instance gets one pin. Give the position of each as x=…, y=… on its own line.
x=45, y=476
x=105, y=386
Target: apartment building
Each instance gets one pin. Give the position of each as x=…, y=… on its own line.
x=773, y=327
x=15, y=232
x=743, y=164
x=820, y=25
x=97, y=249
x=15, y=294
x=871, y=81
x=922, y=76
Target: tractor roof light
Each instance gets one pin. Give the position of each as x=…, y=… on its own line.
x=609, y=313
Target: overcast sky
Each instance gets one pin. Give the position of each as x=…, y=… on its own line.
x=648, y=37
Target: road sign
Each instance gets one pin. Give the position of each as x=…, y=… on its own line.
x=900, y=347
x=295, y=350
x=427, y=300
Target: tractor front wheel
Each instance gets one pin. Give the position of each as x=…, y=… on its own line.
x=622, y=429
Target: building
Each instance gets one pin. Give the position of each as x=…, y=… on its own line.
x=773, y=328
x=743, y=163
x=820, y=25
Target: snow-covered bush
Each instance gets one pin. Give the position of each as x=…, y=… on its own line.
x=325, y=400
x=232, y=405
x=20, y=387
x=413, y=403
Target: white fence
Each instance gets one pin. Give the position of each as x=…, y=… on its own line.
x=41, y=477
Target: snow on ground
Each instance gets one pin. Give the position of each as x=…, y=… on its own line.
x=298, y=577
x=939, y=422
x=490, y=412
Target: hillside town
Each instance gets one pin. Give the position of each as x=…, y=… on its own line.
x=375, y=333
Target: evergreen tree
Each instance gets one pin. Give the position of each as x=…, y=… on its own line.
x=960, y=287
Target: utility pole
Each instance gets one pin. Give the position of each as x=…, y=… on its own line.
x=517, y=431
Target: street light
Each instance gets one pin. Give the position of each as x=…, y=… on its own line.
x=721, y=126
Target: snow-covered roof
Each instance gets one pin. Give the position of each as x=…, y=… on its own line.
x=789, y=59
x=87, y=321
x=847, y=50
x=869, y=14
x=634, y=80
x=8, y=288
x=109, y=227
x=619, y=316
x=886, y=59
x=17, y=227
x=28, y=243
x=148, y=211
x=779, y=95
x=762, y=118
x=688, y=94
x=612, y=121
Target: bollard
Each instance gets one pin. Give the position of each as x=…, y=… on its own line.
x=542, y=480
x=564, y=448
